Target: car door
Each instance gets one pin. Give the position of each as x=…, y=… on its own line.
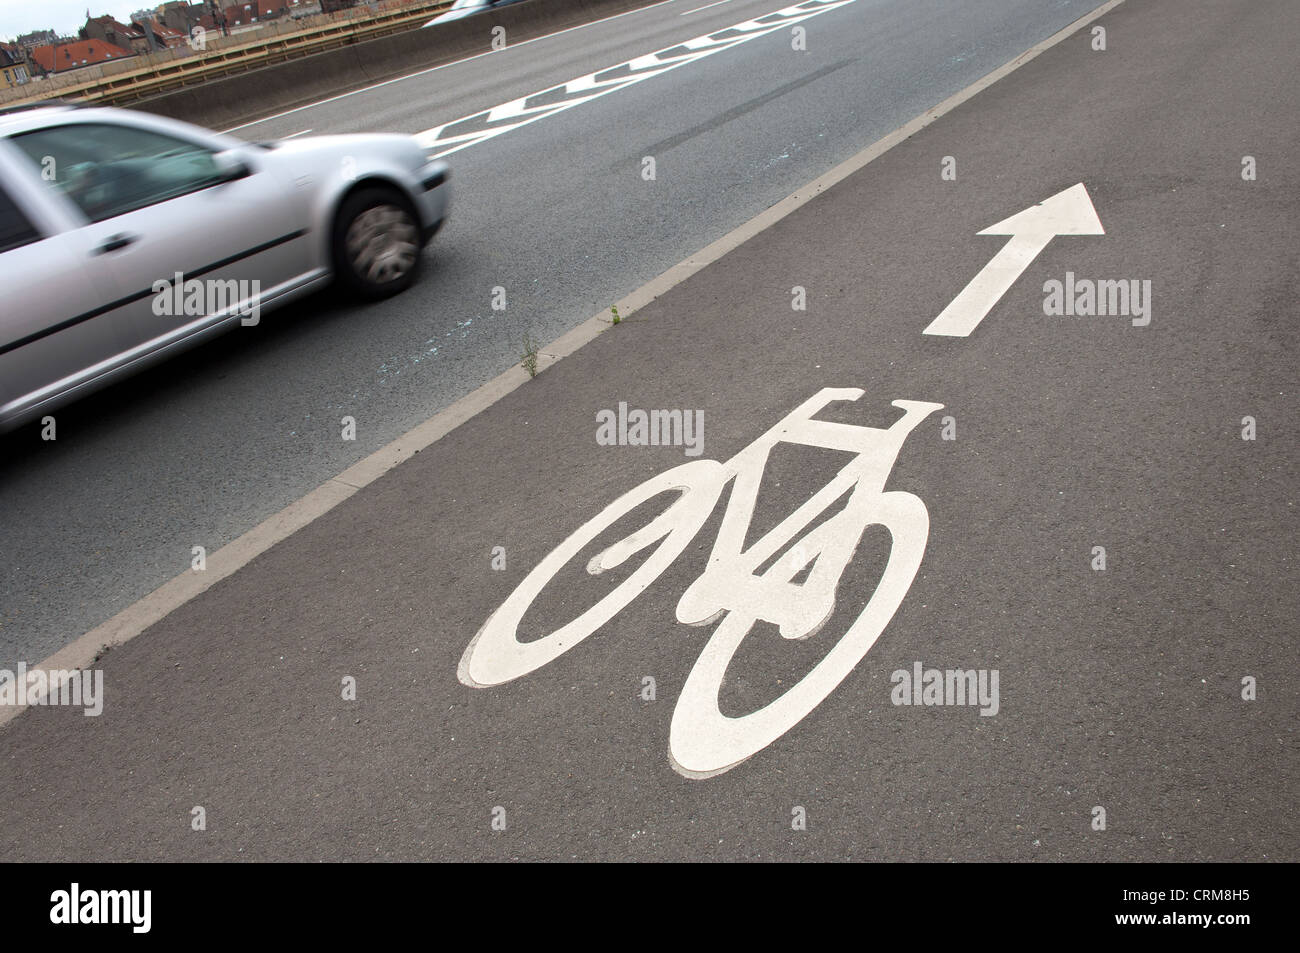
x=165, y=214
x=61, y=318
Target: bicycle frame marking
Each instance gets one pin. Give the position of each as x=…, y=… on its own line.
x=702, y=741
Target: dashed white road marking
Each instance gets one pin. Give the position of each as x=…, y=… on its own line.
x=470, y=130
x=434, y=69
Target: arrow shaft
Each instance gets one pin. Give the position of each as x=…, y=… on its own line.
x=968, y=309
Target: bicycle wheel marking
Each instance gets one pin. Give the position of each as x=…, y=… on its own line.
x=702, y=741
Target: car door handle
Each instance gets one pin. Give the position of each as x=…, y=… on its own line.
x=116, y=243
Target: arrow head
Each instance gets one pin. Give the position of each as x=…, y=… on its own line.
x=1065, y=213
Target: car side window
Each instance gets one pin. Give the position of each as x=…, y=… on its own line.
x=109, y=170
x=15, y=228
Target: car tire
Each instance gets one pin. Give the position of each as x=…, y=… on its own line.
x=376, y=243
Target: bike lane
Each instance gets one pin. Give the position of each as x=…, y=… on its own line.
x=1117, y=688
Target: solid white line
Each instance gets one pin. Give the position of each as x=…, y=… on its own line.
x=171, y=595
x=296, y=134
x=705, y=7
x=434, y=69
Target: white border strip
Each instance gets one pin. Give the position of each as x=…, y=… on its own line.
x=156, y=606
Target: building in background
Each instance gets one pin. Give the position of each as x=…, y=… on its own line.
x=158, y=36
x=142, y=37
x=255, y=11
x=62, y=57
x=13, y=66
x=112, y=31
x=29, y=41
x=185, y=17
x=168, y=26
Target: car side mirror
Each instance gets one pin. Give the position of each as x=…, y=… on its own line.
x=231, y=165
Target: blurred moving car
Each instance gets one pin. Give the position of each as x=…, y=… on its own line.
x=467, y=8
x=125, y=237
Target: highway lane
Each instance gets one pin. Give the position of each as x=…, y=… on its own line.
x=556, y=213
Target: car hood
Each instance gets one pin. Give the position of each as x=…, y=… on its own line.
x=360, y=142
x=308, y=149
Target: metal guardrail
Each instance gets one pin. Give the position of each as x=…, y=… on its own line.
x=217, y=63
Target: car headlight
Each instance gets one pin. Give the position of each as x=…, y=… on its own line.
x=435, y=175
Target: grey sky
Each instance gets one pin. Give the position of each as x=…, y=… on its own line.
x=63, y=16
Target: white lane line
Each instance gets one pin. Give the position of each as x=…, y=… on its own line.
x=434, y=69
x=716, y=3
x=171, y=595
x=445, y=139
x=296, y=134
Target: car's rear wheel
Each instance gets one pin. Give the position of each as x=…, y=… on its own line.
x=376, y=243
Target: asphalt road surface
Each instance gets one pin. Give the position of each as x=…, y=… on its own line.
x=556, y=213
x=1145, y=706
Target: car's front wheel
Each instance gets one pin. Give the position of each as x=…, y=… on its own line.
x=376, y=243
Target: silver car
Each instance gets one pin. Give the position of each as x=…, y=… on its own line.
x=126, y=237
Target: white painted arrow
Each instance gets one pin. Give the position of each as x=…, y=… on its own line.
x=1065, y=213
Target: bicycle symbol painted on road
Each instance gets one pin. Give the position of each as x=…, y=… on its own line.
x=702, y=741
